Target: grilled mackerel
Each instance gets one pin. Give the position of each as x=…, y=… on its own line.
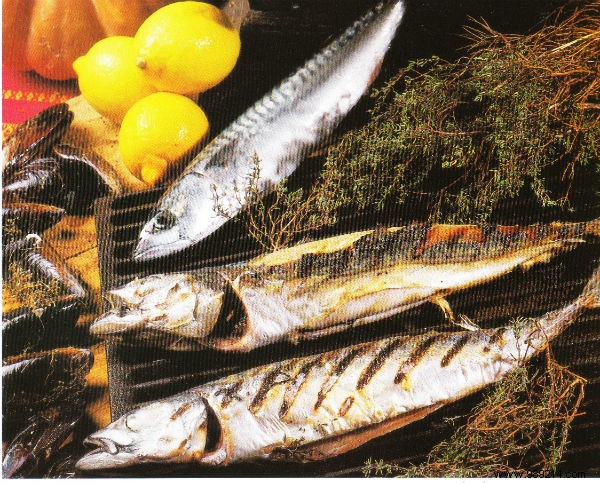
x=277, y=133
x=320, y=406
x=325, y=286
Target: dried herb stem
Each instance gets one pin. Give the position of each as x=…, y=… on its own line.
x=524, y=419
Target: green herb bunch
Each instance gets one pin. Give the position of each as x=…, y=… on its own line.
x=477, y=131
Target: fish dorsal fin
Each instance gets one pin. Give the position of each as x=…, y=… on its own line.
x=295, y=253
x=341, y=444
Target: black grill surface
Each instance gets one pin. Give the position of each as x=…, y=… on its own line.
x=139, y=374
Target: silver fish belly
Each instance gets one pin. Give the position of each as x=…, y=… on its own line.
x=325, y=286
x=277, y=133
x=320, y=406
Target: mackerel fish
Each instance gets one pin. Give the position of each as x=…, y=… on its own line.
x=325, y=286
x=320, y=406
x=272, y=137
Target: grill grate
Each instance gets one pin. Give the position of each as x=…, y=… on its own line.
x=137, y=375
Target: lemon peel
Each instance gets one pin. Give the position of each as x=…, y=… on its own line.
x=109, y=79
x=157, y=131
x=187, y=47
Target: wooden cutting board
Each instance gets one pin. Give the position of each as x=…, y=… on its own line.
x=94, y=131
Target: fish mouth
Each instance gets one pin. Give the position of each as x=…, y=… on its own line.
x=147, y=250
x=106, y=455
x=110, y=324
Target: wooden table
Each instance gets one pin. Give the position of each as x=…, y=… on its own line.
x=74, y=238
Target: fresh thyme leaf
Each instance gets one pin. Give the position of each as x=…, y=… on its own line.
x=520, y=113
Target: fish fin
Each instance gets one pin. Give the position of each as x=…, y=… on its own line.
x=466, y=323
x=591, y=293
x=232, y=344
x=299, y=335
x=338, y=445
x=443, y=304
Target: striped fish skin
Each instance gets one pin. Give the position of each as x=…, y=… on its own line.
x=330, y=285
x=319, y=406
x=278, y=131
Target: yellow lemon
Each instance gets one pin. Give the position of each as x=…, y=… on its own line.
x=187, y=47
x=157, y=131
x=109, y=79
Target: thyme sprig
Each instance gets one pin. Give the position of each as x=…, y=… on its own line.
x=472, y=133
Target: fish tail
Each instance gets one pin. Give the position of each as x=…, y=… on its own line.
x=538, y=332
x=590, y=297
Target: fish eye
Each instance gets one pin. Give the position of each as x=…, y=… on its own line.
x=164, y=220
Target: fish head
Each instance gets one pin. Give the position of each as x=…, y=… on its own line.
x=176, y=303
x=173, y=430
x=161, y=235
x=185, y=215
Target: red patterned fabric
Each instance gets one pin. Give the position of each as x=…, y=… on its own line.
x=25, y=94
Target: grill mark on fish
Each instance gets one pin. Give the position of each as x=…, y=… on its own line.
x=459, y=243
x=230, y=392
x=416, y=356
x=455, y=349
x=294, y=388
x=539, y=232
x=493, y=339
x=377, y=249
x=265, y=387
x=425, y=242
x=337, y=372
x=373, y=251
x=311, y=264
x=574, y=230
x=378, y=361
x=180, y=410
x=267, y=383
x=324, y=433
x=345, y=407
x=459, y=250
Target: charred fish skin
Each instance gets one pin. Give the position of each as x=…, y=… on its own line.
x=319, y=406
x=277, y=132
x=329, y=285
x=182, y=304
